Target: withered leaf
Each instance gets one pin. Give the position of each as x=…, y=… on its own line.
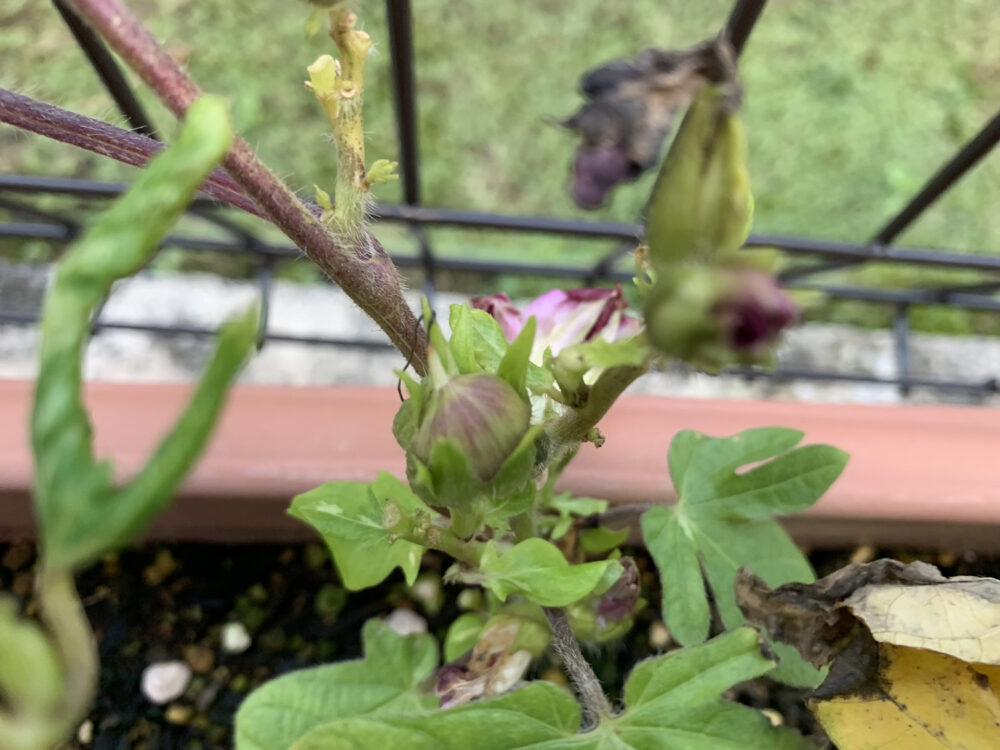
x=630, y=110
x=914, y=654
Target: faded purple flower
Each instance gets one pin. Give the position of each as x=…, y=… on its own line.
x=503, y=311
x=755, y=311
x=564, y=318
x=596, y=170
x=619, y=601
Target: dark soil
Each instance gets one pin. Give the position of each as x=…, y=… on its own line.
x=168, y=602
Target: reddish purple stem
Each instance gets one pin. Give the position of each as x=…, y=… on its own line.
x=363, y=270
x=107, y=140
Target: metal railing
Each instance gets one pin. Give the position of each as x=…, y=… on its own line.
x=28, y=221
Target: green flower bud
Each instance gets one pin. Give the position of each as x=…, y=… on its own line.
x=712, y=316
x=482, y=414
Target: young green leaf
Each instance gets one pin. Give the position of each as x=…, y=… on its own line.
x=386, y=680
x=80, y=514
x=721, y=521
x=671, y=702
x=349, y=516
x=602, y=539
x=573, y=507
x=537, y=570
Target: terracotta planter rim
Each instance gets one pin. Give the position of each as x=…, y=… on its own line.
x=920, y=475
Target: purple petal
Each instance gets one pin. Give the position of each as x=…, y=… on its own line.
x=503, y=311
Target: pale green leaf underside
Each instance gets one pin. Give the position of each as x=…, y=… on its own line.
x=277, y=714
x=537, y=570
x=348, y=515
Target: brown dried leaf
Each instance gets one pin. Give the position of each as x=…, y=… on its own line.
x=630, y=110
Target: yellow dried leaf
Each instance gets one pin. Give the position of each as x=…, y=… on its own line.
x=959, y=616
x=913, y=655
x=922, y=700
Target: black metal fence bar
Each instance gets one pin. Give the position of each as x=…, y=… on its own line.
x=52, y=226
x=741, y=22
x=404, y=90
x=987, y=386
x=967, y=157
x=107, y=70
x=982, y=387
x=557, y=226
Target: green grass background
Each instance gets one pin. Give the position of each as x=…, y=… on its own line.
x=850, y=106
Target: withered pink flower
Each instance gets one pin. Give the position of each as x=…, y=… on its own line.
x=564, y=318
x=755, y=310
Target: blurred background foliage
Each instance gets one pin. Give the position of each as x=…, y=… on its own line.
x=850, y=106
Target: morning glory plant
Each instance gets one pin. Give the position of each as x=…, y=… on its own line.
x=494, y=412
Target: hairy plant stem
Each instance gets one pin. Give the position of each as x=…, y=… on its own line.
x=365, y=273
x=107, y=140
x=592, y=698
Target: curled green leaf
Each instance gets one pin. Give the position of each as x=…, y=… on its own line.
x=80, y=514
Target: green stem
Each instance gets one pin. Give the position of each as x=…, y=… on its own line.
x=574, y=427
x=426, y=533
x=366, y=274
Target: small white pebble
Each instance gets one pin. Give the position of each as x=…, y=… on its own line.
x=659, y=636
x=85, y=733
x=165, y=681
x=235, y=638
x=406, y=622
x=773, y=716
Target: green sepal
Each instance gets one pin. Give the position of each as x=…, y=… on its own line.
x=437, y=340
x=514, y=366
x=407, y=419
x=454, y=485
x=520, y=466
x=478, y=344
x=701, y=203
x=572, y=363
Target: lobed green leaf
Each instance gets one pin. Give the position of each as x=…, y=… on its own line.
x=80, y=514
x=722, y=521
x=672, y=703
